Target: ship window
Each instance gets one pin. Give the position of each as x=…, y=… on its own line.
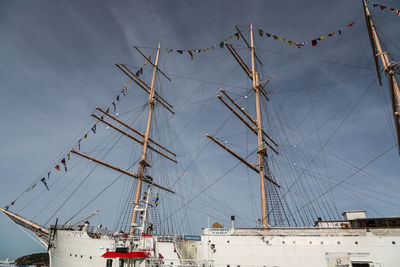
x=109, y=263
x=394, y=243
x=76, y=255
x=121, y=263
x=338, y=242
x=70, y=255
x=90, y=257
x=360, y=264
x=322, y=242
x=356, y=242
x=283, y=242
x=81, y=256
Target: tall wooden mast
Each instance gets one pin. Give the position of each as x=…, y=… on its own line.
x=143, y=160
x=261, y=152
x=255, y=125
x=143, y=139
x=388, y=68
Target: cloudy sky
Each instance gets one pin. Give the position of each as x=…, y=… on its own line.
x=57, y=65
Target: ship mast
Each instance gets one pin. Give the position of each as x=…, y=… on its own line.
x=143, y=139
x=261, y=152
x=143, y=164
x=255, y=125
x=388, y=67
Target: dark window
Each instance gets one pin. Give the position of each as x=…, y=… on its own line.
x=109, y=263
x=121, y=263
x=360, y=264
x=394, y=243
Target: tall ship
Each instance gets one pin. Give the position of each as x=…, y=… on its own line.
x=289, y=231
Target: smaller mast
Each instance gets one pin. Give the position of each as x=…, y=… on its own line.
x=144, y=139
x=143, y=164
x=388, y=68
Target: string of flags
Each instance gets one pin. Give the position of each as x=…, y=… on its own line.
x=63, y=161
x=190, y=52
x=382, y=7
x=313, y=42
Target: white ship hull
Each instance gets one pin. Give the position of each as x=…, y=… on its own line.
x=240, y=247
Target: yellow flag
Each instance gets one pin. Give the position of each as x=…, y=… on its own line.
x=85, y=136
x=322, y=37
x=145, y=62
x=130, y=80
x=280, y=38
x=126, y=85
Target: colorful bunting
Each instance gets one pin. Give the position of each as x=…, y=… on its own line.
x=300, y=44
x=48, y=174
x=393, y=10
x=57, y=167
x=221, y=44
x=44, y=182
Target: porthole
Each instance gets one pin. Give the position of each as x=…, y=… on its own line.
x=322, y=242
x=227, y=241
x=310, y=242
x=81, y=256
x=283, y=242
x=76, y=255
x=294, y=242
x=70, y=255
x=90, y=257
x=394, y=243
x=338, y=242
x=356, y=242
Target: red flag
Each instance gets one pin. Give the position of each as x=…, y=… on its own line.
x=12, y=203
x=314, y=42
x=382, y=7
x=330, y=34
x=58, y=167
x=64, y=163
x=351, y=24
